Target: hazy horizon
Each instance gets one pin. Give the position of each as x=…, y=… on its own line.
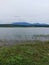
x=32, y=11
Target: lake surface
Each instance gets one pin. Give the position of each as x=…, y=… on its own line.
x=24, y=33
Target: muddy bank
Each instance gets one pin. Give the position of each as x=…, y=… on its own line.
x=14, y=42
x=8, y=42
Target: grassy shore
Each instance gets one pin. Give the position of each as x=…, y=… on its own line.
x=26, y=53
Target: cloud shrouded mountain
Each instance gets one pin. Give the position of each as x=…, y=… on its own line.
x=29, y=24
x=24, y=24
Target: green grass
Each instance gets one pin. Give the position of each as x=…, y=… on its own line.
x=28, y=53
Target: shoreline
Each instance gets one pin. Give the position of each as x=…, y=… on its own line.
x=16, y=42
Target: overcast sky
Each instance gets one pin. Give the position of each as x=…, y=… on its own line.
x=24, y=10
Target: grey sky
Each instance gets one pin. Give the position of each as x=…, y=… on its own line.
x=24, y=10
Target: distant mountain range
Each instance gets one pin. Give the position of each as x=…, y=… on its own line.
x=24, y=24
x=30, y=24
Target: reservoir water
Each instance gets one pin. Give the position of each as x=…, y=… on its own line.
x=24, y=33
